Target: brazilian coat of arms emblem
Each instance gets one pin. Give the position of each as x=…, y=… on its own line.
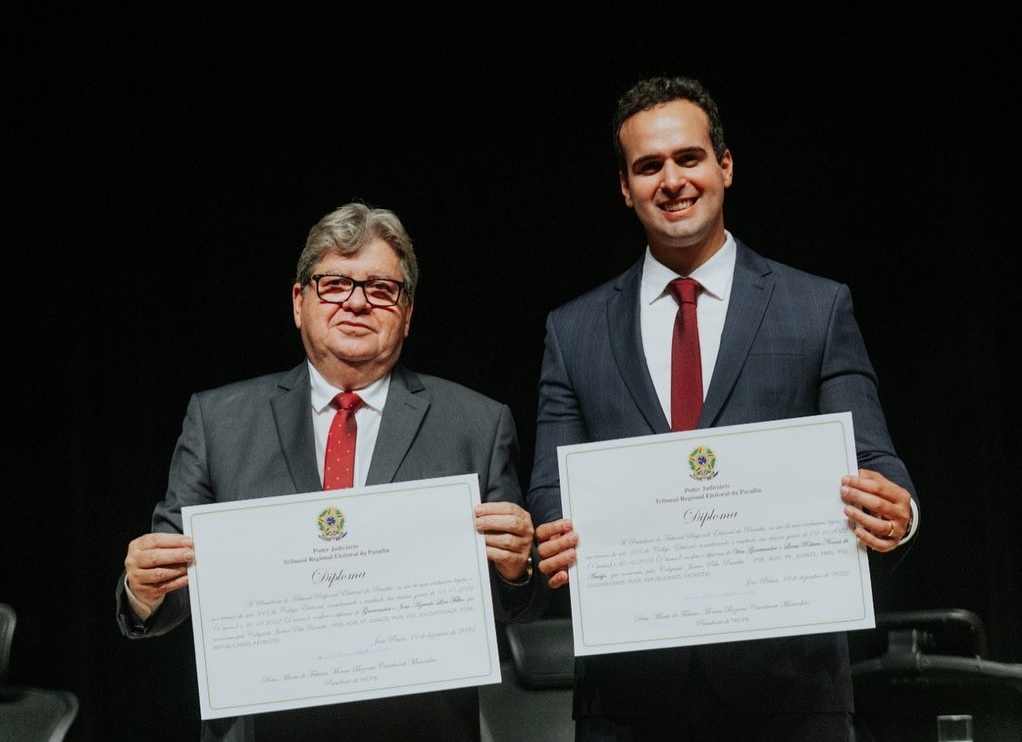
x=702, y=463
x=331, y=524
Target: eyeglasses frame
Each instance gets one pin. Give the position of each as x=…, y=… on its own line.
x=356, y=284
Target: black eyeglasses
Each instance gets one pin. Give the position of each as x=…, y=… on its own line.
x=378, y=292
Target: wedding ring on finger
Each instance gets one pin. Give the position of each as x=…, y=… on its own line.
x=890, y=530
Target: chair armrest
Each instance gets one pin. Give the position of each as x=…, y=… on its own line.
x=543, y=652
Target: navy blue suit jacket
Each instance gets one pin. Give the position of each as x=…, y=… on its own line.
x=790, y=347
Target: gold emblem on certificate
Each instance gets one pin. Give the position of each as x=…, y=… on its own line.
x=703, y=463
x=331, y=524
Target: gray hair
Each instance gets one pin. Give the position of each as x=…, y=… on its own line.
x=349, y=228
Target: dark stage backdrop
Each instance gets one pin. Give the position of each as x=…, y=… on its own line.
x=161, y=175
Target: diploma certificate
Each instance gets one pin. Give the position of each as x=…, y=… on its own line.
x=346, y=595
x=714, y=535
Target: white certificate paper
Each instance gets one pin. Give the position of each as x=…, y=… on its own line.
x=346, y=595
x=714, y=535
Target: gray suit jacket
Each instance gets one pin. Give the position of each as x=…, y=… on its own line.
x=254, y=438
x=790, y=347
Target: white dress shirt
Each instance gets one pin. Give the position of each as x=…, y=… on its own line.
x=658, y=309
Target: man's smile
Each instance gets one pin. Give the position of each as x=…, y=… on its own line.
x=678, y=205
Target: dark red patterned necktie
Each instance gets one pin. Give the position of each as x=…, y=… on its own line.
x=686, y=364
x=339, y=465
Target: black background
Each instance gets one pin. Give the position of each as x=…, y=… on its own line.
x=161, y=173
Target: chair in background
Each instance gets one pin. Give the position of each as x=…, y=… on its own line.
x=532, y=703
x=917, y=665
x=30, y=714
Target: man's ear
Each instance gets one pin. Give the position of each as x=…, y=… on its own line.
x=727, y=166
x=625, y=190
x=297, y=299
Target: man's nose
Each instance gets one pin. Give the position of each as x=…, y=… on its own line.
x=673, y=176
x=357, y=302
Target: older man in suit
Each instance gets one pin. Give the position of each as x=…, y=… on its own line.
x=352, y=302
x=775, y=343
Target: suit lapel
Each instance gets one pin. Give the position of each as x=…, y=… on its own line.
x=402, y=417
x=626, y=346
x=750, y=294
x=292, y=412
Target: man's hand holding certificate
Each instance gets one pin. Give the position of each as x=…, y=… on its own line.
x=714, y=535
x=338, y=596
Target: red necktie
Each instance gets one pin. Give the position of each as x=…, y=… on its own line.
x=339, y=465
x=686, y=365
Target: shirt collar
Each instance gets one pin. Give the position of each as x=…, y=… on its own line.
x=323, y=393
x=714, y=275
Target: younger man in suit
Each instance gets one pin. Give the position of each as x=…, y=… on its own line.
x=775, y=343
x=352, y=302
